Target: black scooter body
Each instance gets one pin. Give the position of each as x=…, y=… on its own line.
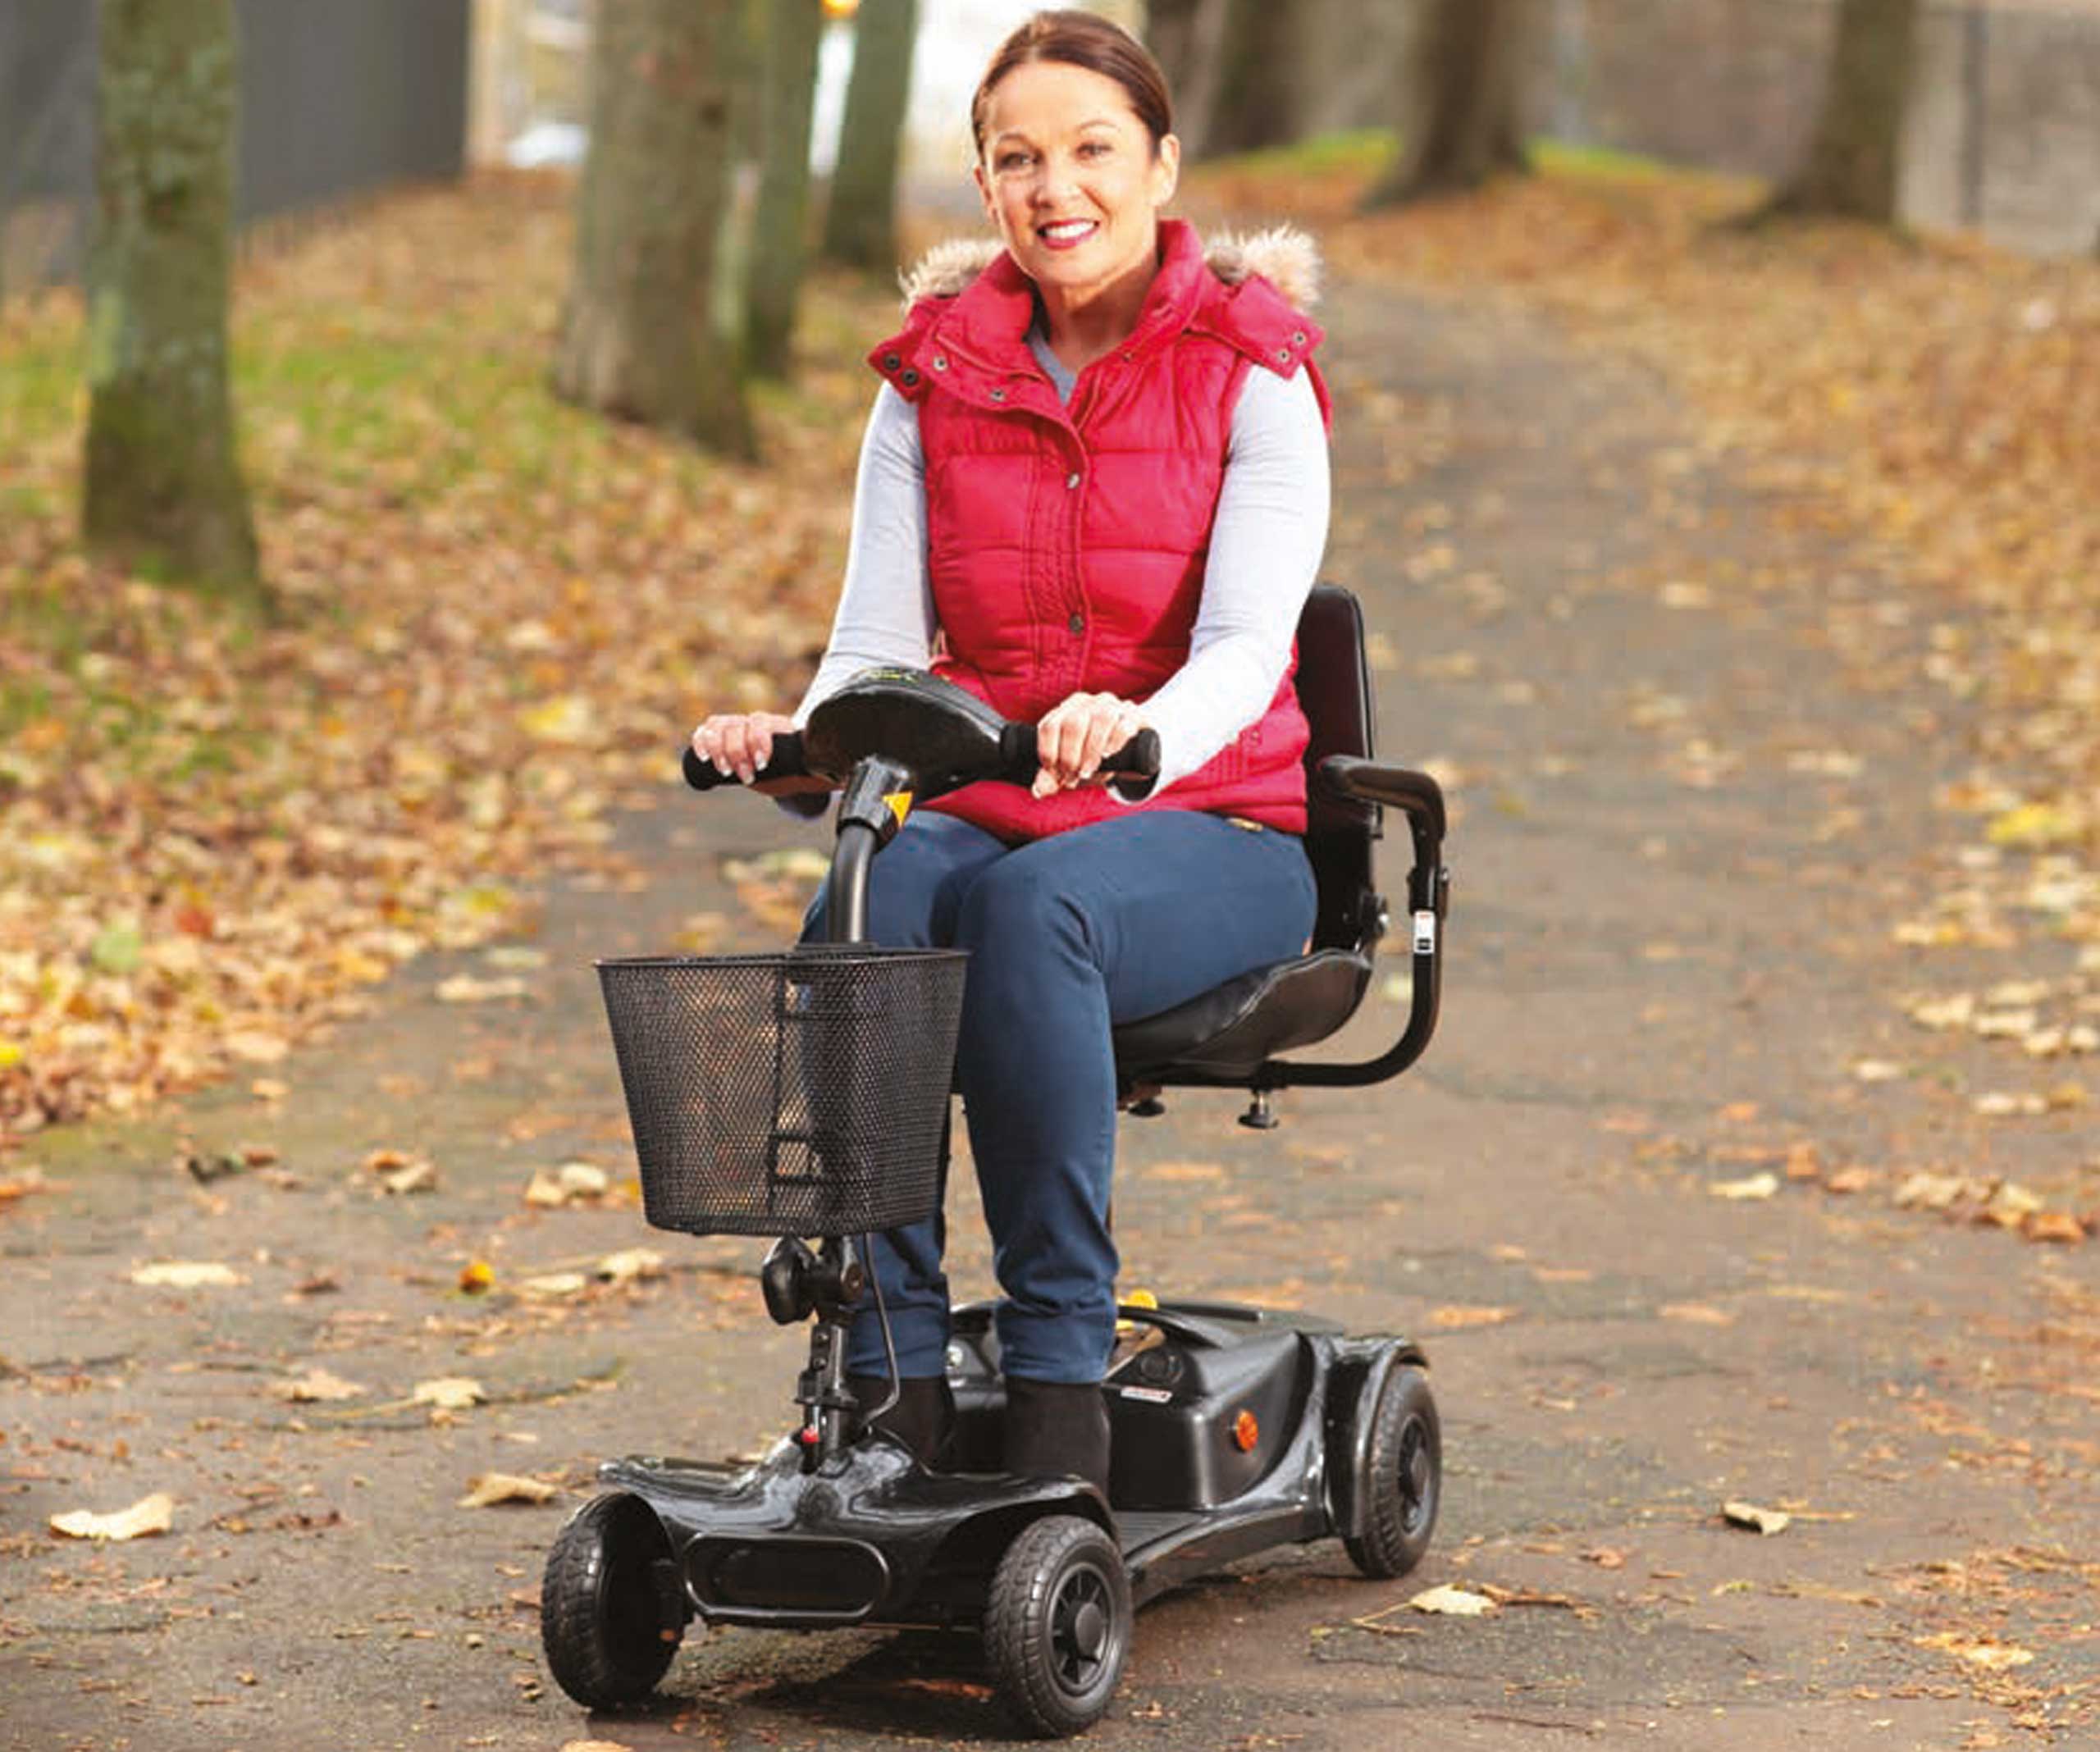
x=1235, y=1429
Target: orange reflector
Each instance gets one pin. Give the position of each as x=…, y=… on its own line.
x=1245, y=1432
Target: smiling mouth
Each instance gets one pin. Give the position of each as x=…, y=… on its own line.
x=1067, y=232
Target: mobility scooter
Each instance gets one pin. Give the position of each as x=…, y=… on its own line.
x=805, y=1095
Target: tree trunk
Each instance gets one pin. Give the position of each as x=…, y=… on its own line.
x=636, y=340
x=773, y=283
x=860, y=228
x=163, y=485
x=1255, y=101
x=747, y=81
x=1853, y=167
x=1187, y=37
x=1461, y=122
x=1169, y=32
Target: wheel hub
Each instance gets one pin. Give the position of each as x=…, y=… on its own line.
x=1081, y=1629
x=1089, y=1630
x=1414, y=1474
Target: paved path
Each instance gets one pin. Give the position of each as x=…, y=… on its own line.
x=1682, y=832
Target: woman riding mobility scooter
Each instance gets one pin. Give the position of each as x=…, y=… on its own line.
x=805, y=1095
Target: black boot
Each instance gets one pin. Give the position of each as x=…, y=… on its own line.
x=1058, y=1428
x=923, y=1418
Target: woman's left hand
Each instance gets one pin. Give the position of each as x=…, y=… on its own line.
x=1076, y=735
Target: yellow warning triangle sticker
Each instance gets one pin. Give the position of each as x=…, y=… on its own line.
x=900, y=804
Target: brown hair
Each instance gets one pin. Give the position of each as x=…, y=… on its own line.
x=1081, y=40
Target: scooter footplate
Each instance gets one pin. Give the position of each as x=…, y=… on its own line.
x=1137, y=1528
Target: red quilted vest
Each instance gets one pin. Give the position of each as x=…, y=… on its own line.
x=1066, y=544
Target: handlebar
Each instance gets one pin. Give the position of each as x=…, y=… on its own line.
x=1136, y=762
x=787, y=762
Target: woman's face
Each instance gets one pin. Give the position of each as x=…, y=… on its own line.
x=1070, y=177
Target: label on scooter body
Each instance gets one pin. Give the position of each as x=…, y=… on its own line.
x=1425, y=933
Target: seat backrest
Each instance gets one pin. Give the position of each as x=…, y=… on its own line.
x=1334, y=691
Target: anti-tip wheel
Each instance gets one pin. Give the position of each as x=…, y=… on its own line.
x=603, y=1620
x=1404, y=1477
x=1057, y=1625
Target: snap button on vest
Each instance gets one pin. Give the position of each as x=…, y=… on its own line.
x=1072, y=480
x=1077, y=623
x=909, y=378
x=891, y=362
x=940, y=361
x=999, y=395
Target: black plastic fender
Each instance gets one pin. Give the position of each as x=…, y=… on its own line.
x=1358, y=1376
x=870, y=1537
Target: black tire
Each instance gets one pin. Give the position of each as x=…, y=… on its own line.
x=1057, y=1625
x=1404, y=1477
x=603, y=1620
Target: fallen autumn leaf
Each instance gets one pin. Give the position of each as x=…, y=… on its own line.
x=449, y=1393
x=1452, y=1601
x=148, y=1516
x=315, y=1385
x=1454, y=1318
x=571, y=1182
x=186, y=1274
x=631, y=1265
x=485, y=1489
x=1993, y=1656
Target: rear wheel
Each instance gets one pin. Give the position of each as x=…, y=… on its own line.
x=1057, y=1625
x=1403, y=1477
x=604, y=1620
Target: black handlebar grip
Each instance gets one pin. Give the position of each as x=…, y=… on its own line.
x=1134, y=765
x=787, y=762
x=1017, y=752
x=1138, y=757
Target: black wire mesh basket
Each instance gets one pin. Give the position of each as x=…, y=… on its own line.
x=800, y=1093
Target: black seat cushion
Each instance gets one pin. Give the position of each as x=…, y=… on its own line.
x=1232, y=1029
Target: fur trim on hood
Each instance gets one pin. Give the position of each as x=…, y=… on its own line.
x=1283, y=255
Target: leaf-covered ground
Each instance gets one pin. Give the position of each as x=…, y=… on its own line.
x=1933, y=395
x=1931, y=406
x=499, y=613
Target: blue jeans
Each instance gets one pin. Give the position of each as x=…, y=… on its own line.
x=1105, y=923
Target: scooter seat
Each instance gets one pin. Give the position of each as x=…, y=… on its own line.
x=1232, y=1029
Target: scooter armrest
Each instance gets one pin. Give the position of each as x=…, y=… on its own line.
x=1418, y=797
x=1416, y=794
x=1421, y=799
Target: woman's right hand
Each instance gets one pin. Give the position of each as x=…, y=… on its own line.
x=742, y=743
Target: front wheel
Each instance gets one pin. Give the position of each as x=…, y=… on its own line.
x=1057, y=1625
x=1403, y=1477
x=605, y=1622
